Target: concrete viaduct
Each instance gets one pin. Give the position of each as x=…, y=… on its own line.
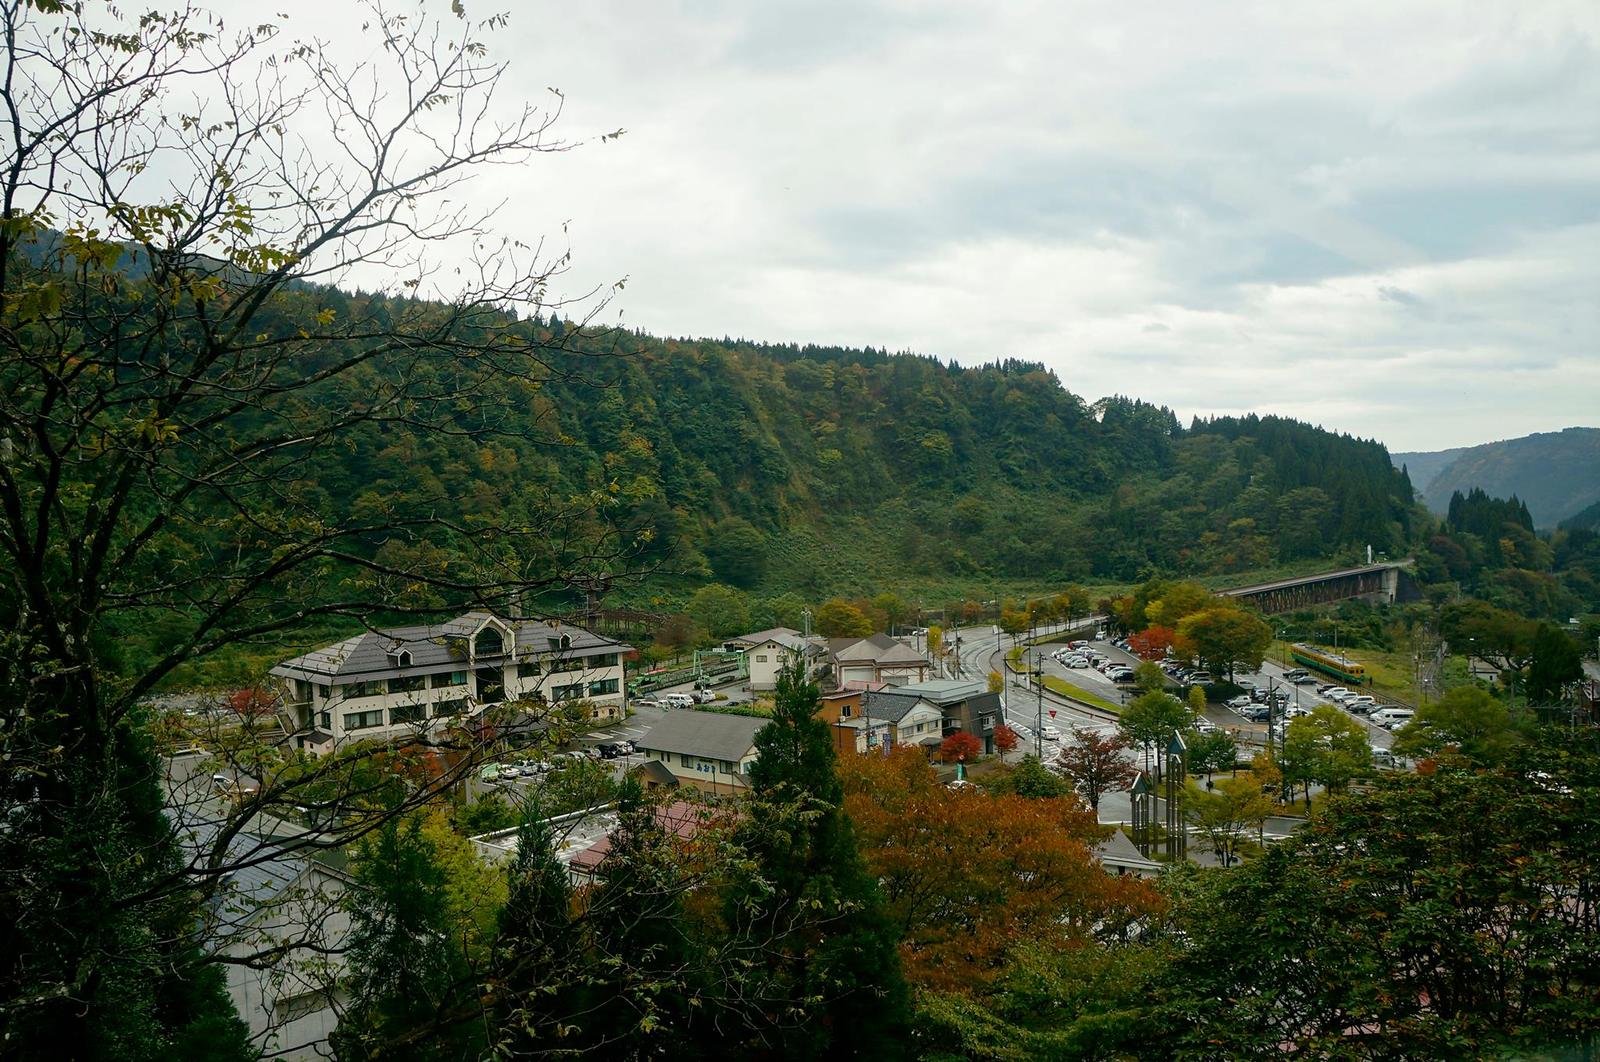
x=1376, y=582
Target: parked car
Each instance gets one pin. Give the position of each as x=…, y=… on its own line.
x=1202, y=725
x=1200, y=678
x=1258, y=713
x=1076, y=661
x=627, y=748
x=1361, y=705
x=1304, y=680
x=1327, y=688
x=1241, y=701
x=1390, y=718
x=1294, y=673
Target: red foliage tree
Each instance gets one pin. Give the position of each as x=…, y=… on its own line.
x=1152, y=643
x=1005, y=739
x=253, y=701
x=968, y=876
x=1095, y=764
x=960, y=746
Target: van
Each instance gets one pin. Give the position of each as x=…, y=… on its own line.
x=677, y=700
x=1390, y=718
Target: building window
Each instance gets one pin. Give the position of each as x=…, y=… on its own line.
x=761, y=658
x=361, y=689
x=530, y=669
x=568, y=693
x=489, y=642
x=448, y=679
x=324, y=692
x=410, y=684
x=986, y=721
x=408, y=713
x=363, y=720
x=844, y=711
x=603, y=660
x=454, y=706
x=603, y=687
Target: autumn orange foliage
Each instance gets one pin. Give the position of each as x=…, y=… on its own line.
x=968, y=875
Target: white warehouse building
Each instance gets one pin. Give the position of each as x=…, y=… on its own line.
x=390, y=683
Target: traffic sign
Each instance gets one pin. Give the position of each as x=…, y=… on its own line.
x=1052, y=713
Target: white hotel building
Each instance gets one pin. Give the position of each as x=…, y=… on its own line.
x=388, y=684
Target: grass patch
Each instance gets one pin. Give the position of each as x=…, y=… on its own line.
x=1067, y=689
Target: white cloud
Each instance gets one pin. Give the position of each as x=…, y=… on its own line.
x=1378, y=217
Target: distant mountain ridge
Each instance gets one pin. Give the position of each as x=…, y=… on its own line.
x=1556, y=473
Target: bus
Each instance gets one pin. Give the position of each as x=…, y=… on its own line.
x=1330, y=663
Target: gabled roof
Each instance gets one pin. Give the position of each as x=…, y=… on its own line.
x=787, y=637
x=435, y=647
x=876, y=648
x=709, y=734
x=889, y=706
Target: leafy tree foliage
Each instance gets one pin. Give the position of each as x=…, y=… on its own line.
x=1210, y=752
x=720, y=611
x=1327, y=748
x=1413, y=921
x=1466, y=721
x=1226, y=813
x=1224, y=638
x=1096, y=763
x=967, y=876
x=1557, y=663
x=737, y=551
x=1151, y=719
x=960, y=747
x=1152, y=643
x=840, y=619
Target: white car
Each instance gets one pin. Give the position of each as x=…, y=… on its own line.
x=1202, y=725
x=1049, y=733
x=1338, y=694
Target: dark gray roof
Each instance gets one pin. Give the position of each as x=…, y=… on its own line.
x=709, y=734
x=435, y=647
x=886, y=705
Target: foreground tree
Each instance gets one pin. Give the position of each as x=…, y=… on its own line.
x=175, y=376
x=1441, y=915
x=968, y=876
x=827, y=968
x=409, y=971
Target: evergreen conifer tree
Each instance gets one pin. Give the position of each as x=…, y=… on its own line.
x=830, y=974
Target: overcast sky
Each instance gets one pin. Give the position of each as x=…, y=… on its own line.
x=1379, y=217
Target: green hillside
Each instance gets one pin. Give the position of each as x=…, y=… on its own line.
x=830, y=469
x=1556, y=473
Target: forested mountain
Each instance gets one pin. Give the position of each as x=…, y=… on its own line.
x=823, y=469
x=1556, y=473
